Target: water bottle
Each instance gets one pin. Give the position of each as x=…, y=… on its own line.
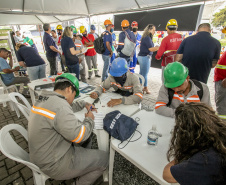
x=153, y=136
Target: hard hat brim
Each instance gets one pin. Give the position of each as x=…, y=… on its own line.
x=174, y=84
x=117, y=74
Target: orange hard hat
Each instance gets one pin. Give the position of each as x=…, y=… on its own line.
x=224, y=30
x=134, y=24
x=107, y=22
x=125, y=23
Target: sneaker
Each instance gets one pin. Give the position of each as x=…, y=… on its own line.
x=89, y=78
x=97, y=76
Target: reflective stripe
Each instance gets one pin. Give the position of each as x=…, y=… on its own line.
x=78, y=45
x=221, y=66
x=2, y=73
x=178, y=97
x=139, y=94
x=80, y=135
x=222, y=116
x=121, y=43
x=119, y=86
x=90, y=70
x=127, y=87
x=194, y=98
x=104, y=90
x=95, y=69
x=44, y=112
x=91, y=47
x=168, y=51
x=159, y=104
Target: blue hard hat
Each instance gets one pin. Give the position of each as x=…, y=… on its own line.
x=119, y=67
x=93, y=27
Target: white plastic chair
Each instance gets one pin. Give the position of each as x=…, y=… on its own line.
x=4, y=98
x=13, y=151
x=7, y=88
x=26, y=108
x=140, y=77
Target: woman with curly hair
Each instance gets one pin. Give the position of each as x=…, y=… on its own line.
x=198, y=147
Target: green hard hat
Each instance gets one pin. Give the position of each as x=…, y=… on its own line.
x=74, y=29
x=70, y=78
x=175, y=74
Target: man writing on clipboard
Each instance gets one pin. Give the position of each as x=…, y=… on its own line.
x=90, y=55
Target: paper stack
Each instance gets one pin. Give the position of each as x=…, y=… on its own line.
x=98, y=120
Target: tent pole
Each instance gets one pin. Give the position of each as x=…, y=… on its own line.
x=89, y=22
x=41, y=38
x=98, y=22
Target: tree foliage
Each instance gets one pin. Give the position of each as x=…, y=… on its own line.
x=220, y=18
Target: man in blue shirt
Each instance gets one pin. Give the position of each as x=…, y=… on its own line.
x=138, y=36
x=122, y=36
x=108, y=48
x=51, y=49
x=199, y=53
x=6, y=70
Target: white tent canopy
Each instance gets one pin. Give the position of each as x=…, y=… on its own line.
x=50, y=11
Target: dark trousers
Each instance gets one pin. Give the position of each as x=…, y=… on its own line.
x=53, y=65
x=74, y=69
x=18, y=80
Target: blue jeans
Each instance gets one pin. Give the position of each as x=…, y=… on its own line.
x=74, y=69
x=133, y=63
x=112, y=58
x=36, y=72
x=106, y=59
x=145, y=63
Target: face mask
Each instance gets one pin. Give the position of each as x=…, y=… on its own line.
x=84, y=35
x=111, y=30
x=134, y=29
x=59, y=33
x=121, y=80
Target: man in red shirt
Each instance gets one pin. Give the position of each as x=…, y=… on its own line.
x=169, y=44
x=90, y=55
x=220, y=85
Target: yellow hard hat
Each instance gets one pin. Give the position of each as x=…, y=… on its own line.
x=82, y=29
x=59, y=27
x=172, y=23
x=224, y=30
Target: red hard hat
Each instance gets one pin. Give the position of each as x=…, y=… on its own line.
x=134, y=24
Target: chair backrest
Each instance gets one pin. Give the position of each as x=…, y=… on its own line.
x=7, y=88
x=2, y=83
x=140, y=77
x=26, y=108
x=12, y=150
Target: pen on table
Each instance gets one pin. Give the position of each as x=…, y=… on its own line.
x=91, y=107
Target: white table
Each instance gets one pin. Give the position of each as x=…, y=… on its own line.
x=150, y=159
x=102, y=135
x=44, y=81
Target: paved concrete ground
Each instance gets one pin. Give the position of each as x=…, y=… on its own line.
x=17, y=174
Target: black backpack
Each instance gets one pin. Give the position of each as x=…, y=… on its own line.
x=171, y=92
x=99, y=45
